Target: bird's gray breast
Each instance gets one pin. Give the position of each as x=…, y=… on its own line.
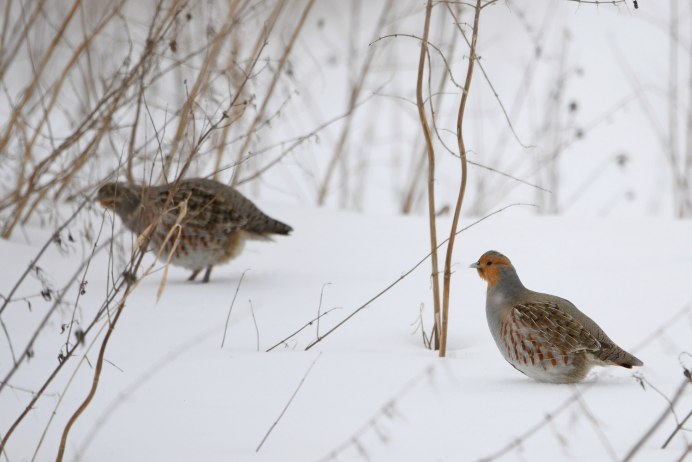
x=495, y=300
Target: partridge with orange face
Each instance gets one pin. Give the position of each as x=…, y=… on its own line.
x=215, y=220
x=544, y=336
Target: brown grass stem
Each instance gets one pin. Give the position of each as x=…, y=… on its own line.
x=432, y=223
x=462, y=186
x=270, y=90
x=290, y=400
x=352, y=104
x=407, y=273
x=95, y=381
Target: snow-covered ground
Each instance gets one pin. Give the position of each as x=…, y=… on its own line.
x=370, y=390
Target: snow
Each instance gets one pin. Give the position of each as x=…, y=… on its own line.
x=170, y=392
x=370, y=390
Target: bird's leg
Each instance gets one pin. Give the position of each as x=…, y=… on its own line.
x=207, y=273
x=194, y=274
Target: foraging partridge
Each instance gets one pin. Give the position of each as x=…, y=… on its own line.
x=544, y=336
x=216, y=223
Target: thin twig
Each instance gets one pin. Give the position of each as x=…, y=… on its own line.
x=599, y=2
x=136, y=384
x=302, y=328
x=270, y=90
x=54, y=413
x=666, y=412
x=319, y=307
x=295, y=143
x=40, y=253
x=230, y=308
x=83, y=280
x=254, y=321
x=95, y=382
x=643, y=380
x=353, y=99
x=387, y=409
x=9, y=341
x=447, y=280
x=403, y=276
x=283, y=411
x=597, y=426
x=68, y=354
x=678, y=427
x=425, y=43
x=487, y=79
x=432, y=222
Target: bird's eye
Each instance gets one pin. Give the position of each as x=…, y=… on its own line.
x=489, y=263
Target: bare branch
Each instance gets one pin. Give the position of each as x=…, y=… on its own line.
x=657, y=423
x=432, y=222
x=283, y=411
x=228, y=318
x=462, y=185
x=403, y=276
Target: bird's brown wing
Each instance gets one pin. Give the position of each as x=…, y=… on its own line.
x=555, y=327
x=205, y=209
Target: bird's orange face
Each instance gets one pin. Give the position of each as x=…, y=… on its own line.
x=489, y=266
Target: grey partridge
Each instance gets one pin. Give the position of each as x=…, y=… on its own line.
x=544, y=336
x=213, y=229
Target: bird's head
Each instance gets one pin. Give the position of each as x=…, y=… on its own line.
x=118, y=197
x=491, y=265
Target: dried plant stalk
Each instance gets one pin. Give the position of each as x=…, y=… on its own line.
x=431, y=175
x=352, y=104
x=270, y=91
x=462, y=185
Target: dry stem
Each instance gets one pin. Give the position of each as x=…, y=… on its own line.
x=277, y=73
x=431, y=176
x=462, y=185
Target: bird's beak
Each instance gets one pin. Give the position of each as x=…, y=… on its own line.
x=475, y=265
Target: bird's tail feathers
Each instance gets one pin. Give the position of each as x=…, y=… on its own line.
x=627, y=360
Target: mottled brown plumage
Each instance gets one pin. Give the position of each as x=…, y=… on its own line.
x=544, y=336
x=216, y=220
